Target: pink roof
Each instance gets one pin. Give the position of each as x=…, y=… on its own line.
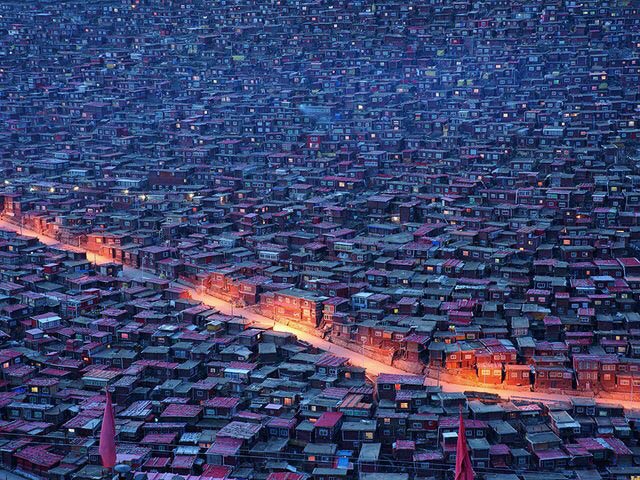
x=285, y=476
x=183, y=461
x=328, y=420
x=179, y=410
x=551, y=320
x=39, y=455
x=576, y=450
x=225, y=446
x=427, y=456
x=499, y=449
x=216, y=471
x=629, y=262
x=591, y=444
x=405, y=445
x=170, y=476
x=222, y=402
x=282, y=422
x=617, y=445
x=335, y=392
x=157, y=462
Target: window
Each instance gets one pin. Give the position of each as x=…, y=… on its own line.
x=368, y=435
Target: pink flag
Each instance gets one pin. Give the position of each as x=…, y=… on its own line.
x=108, y=436
x=464, y=471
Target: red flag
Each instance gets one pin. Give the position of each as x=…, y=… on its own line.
x=108, y=436
x=464, y=471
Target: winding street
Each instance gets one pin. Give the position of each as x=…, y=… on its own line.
x=372, y=366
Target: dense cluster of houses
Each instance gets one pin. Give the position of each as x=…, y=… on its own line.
x=209, y=396
x=452, y=184
x=452, y=187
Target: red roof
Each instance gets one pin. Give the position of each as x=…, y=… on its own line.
x=328, y=420
x=285, y=476
x=617, y=445
x=39, y=455
x=629, y=262
x=427, y=456
x=180, y=410
x=225, y=446
x=157, y=462
x=183, y=461
x=216, y=471
x=404, y=445
x=499, y=449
